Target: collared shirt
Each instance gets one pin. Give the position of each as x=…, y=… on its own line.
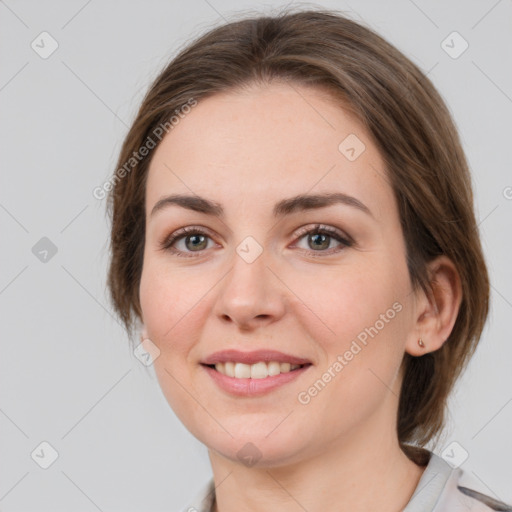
x=441, y=488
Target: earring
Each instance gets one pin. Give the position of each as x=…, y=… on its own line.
x=420, y=343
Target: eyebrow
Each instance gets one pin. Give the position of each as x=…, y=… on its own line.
x=284, y=207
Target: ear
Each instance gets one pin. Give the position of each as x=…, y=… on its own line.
x=436, y=314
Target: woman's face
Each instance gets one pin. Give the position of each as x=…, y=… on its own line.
x=262, y=276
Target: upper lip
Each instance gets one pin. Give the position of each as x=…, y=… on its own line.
x=252, y=357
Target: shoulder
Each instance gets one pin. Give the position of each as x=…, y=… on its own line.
x=203, y=500
x=444, y=488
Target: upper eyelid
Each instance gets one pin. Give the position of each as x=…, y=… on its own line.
x=299, y=233
x=179, y=233
x=330, y=230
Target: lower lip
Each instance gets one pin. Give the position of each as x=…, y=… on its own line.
x=253, y=387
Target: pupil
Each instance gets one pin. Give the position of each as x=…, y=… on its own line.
x=324, y=238
x=195, y=237
x=319, y=240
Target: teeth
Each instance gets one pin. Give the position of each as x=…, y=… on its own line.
x=274, y=368
x=242, y=371
x=259, y=370
x=229, y=368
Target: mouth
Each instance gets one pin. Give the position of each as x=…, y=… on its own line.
x=259, y=370
x=256, y=364
x=253, y=373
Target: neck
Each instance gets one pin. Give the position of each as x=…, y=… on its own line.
x=360, y=474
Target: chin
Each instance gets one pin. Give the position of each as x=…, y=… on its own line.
x=260, y=447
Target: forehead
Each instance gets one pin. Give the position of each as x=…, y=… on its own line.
x=267, y=142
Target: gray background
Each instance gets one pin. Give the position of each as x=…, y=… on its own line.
x=68, y=376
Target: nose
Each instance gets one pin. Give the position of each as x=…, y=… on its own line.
x=251, y=295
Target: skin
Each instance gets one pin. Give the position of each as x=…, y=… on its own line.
x=247, y=150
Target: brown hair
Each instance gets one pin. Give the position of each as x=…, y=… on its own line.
x=411, y=127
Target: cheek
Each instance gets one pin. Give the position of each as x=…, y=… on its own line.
x=166, y=292
x=171, y=308
x=345, y=301
x=364, y=323
x=167, y=300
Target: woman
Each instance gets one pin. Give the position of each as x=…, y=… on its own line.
x=293, y=237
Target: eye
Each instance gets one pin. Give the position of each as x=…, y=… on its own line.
x=195, y=239
x=319, y=239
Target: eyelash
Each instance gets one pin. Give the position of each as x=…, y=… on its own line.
x=167, y=243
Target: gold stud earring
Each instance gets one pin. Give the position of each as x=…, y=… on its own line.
x=420, y=343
